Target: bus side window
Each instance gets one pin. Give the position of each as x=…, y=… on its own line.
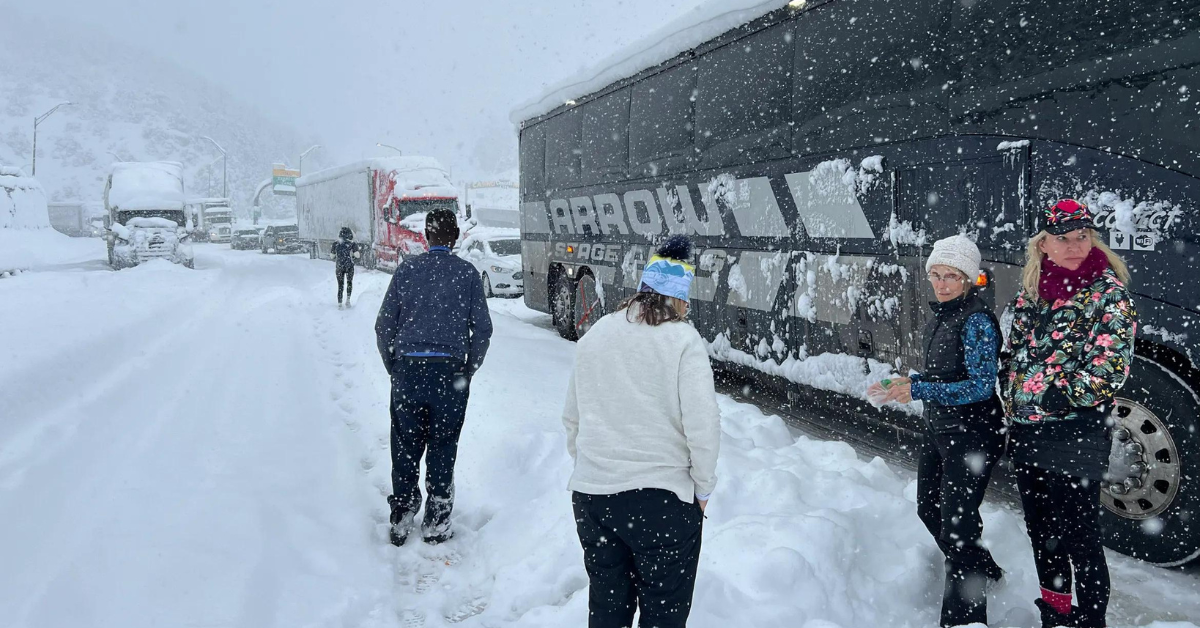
x=743, y=102
x=533, y=160
x=563, y=149
x=662, y=122
x=606, y=136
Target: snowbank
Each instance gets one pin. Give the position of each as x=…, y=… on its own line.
x=22, y=201
x=147, y=185
x=699, y=25
x=31, y=249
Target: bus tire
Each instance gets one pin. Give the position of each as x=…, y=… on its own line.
x=588, y=306
x=1151, y=499
x=312, y=250
x=562, y=306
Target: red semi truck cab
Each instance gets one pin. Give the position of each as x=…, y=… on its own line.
x=384, y=201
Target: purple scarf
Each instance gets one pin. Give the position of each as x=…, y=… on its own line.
x=1060, y=284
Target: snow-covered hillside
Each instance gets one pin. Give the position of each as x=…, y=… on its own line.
x=125, y=107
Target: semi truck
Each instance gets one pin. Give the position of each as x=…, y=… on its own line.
x=146, y=214
x=383, y=201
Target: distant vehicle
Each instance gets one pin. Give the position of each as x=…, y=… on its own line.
x=496, y=254
x=74, y=219
x=384, y=201
x=244, y=239
x=218, y=224
x=147, y=218
x=281, y=239
x=813, y=163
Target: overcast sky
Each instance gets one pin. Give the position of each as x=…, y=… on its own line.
x=436, y=77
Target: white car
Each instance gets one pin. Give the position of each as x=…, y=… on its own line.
x=498, y=260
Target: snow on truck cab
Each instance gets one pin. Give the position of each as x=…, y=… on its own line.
x=383, y=201
x=147, y=216
x=815, y=152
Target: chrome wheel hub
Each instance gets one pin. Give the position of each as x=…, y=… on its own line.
x=1143, y=465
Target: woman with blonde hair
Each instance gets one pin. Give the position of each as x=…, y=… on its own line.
x=1069, y=348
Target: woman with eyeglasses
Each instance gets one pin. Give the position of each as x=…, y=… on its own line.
x=964, y=423
x=1070, y=347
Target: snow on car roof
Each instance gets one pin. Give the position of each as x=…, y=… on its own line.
x=147, y=185
x=689, y=30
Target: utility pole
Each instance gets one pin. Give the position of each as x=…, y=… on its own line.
x=224, y=168
x=315, y=147
x=36, y=121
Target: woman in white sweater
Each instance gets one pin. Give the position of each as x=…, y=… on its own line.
x=644, y=428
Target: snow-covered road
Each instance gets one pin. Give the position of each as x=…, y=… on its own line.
x=209, y=448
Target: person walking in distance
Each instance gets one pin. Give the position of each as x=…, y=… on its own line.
x=433, y=332
x=344, y=252
x=964, y=425
x=644, y=429
x=1069, y=351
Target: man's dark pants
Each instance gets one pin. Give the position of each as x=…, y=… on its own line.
x=345, y=277
x=641, y=549
x=429, y=403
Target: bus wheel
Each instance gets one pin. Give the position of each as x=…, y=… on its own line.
x=1151, y=496
x=563, y=307
x=588, y=304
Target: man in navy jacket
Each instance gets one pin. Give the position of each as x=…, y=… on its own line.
x=433, y=331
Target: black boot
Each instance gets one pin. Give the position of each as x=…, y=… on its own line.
x=1054, y=619
x=403, y=521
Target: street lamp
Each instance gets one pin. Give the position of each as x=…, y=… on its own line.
x=36, y=121
x=224, y=169
x=315, y=147
x=391, y=147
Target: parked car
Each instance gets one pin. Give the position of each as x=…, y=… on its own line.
x=281, y=239
x=244, y=239
x=496, y=254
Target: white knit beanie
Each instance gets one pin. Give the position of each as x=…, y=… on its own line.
x=957, y=252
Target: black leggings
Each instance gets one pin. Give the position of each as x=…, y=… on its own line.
x=952, y=475
x=345, y=276
x=641, y=549
x=1062, y=513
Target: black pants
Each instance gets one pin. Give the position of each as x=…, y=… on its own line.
x=952, y=475
x=429, y=403
x=345, y=276
x=641, y=549
x=1062, y=514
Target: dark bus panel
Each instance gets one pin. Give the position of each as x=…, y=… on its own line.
x=815, y=154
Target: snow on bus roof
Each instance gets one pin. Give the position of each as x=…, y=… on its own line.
x=147, y=185
x=691, y=29
x=395, y=164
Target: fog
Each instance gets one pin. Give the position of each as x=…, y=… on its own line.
x=436, y=78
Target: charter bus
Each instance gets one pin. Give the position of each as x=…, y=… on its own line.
x=815, y=153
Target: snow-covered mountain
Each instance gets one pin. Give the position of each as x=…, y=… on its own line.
x=126, y=105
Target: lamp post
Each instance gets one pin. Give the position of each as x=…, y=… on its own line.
x=391, y=147
x=36, y=121
x=224, y=167
x=315, y=147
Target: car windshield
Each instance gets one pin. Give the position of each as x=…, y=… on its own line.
x=505, y=247
x=287, y=230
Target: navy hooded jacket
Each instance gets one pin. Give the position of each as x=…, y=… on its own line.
x=434, y=306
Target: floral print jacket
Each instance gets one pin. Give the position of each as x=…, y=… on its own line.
x=1068, y=355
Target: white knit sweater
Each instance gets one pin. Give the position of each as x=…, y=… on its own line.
x=641, y=410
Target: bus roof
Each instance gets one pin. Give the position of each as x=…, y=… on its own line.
x=702, y=23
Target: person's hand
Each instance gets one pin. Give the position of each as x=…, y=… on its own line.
x=900, y=393
x=703, y=503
